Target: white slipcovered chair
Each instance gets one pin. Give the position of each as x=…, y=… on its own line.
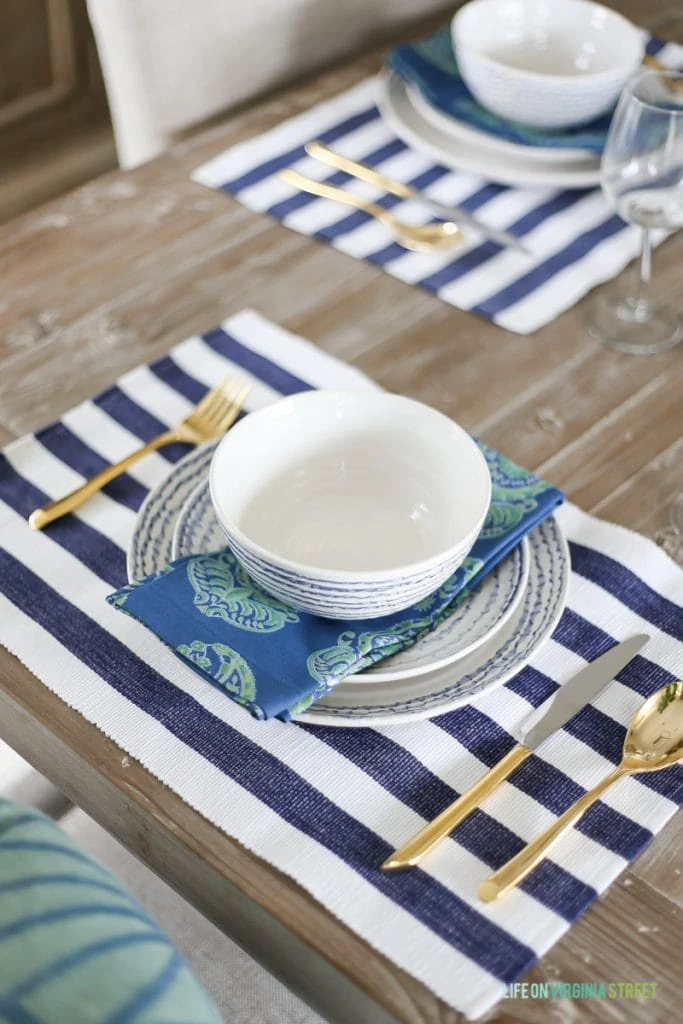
x=170, y=64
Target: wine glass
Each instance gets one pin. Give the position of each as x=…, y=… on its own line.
x=642, y=177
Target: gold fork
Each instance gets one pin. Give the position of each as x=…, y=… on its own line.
x=211, y=417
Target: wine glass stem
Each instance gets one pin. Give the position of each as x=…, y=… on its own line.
x=645, y=267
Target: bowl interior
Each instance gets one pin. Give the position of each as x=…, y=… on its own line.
x=350, y=481
x=549, y=37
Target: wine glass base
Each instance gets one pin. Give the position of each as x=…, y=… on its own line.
x=634, y=325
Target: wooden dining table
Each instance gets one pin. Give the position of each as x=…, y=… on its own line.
x=114, y=274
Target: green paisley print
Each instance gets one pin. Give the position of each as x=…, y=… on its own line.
x=353, y=652
x=514, y=494
x=223, y=590
x=226, y=666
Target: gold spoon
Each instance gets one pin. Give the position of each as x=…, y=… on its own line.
x=422, y=238
x=654, y=741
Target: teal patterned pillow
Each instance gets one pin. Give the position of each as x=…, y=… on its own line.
x=74, y=946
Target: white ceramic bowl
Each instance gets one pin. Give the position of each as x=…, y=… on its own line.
x=546, y=63
x=349, y=504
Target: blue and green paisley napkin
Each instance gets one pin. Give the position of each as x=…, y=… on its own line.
x=276, y=661
x=431, y=67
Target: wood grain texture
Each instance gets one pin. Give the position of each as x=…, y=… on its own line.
x=54, y=117
x=117, y=272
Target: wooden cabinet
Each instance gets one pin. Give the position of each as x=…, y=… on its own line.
x=55, y=130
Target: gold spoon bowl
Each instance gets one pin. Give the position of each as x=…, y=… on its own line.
x=654, y=741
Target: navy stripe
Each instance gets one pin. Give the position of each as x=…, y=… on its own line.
x=584, y=638
x=277, y=163
x=101, y=555
x=543, y=272
x=168, y=371
x=654, y=46
x=532, y=685
x=138, y=420
x=628, y=588
x=73, y=452
x=260, y=366
x=557, y=204
x=587, y=640
x=259, y=772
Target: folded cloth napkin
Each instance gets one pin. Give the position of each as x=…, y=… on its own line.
x=277, y=661
x=430, y=66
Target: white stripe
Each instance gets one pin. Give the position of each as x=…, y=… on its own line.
x=671, y=55
x=287, y=135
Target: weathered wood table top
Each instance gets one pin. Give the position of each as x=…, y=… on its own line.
x=114, y=274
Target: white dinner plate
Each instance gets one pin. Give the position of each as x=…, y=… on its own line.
x=484, y=611
x=383, y=702
x=467, y=134
x=416, y=130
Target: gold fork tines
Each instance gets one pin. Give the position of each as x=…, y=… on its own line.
x=211, y=417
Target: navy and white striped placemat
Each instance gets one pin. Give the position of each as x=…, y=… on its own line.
x=577, y=241
x=324, y=805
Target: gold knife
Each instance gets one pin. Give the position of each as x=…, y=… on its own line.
x=541, y=723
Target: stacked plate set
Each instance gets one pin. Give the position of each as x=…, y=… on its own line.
x=489, y=636
x=507, y=95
